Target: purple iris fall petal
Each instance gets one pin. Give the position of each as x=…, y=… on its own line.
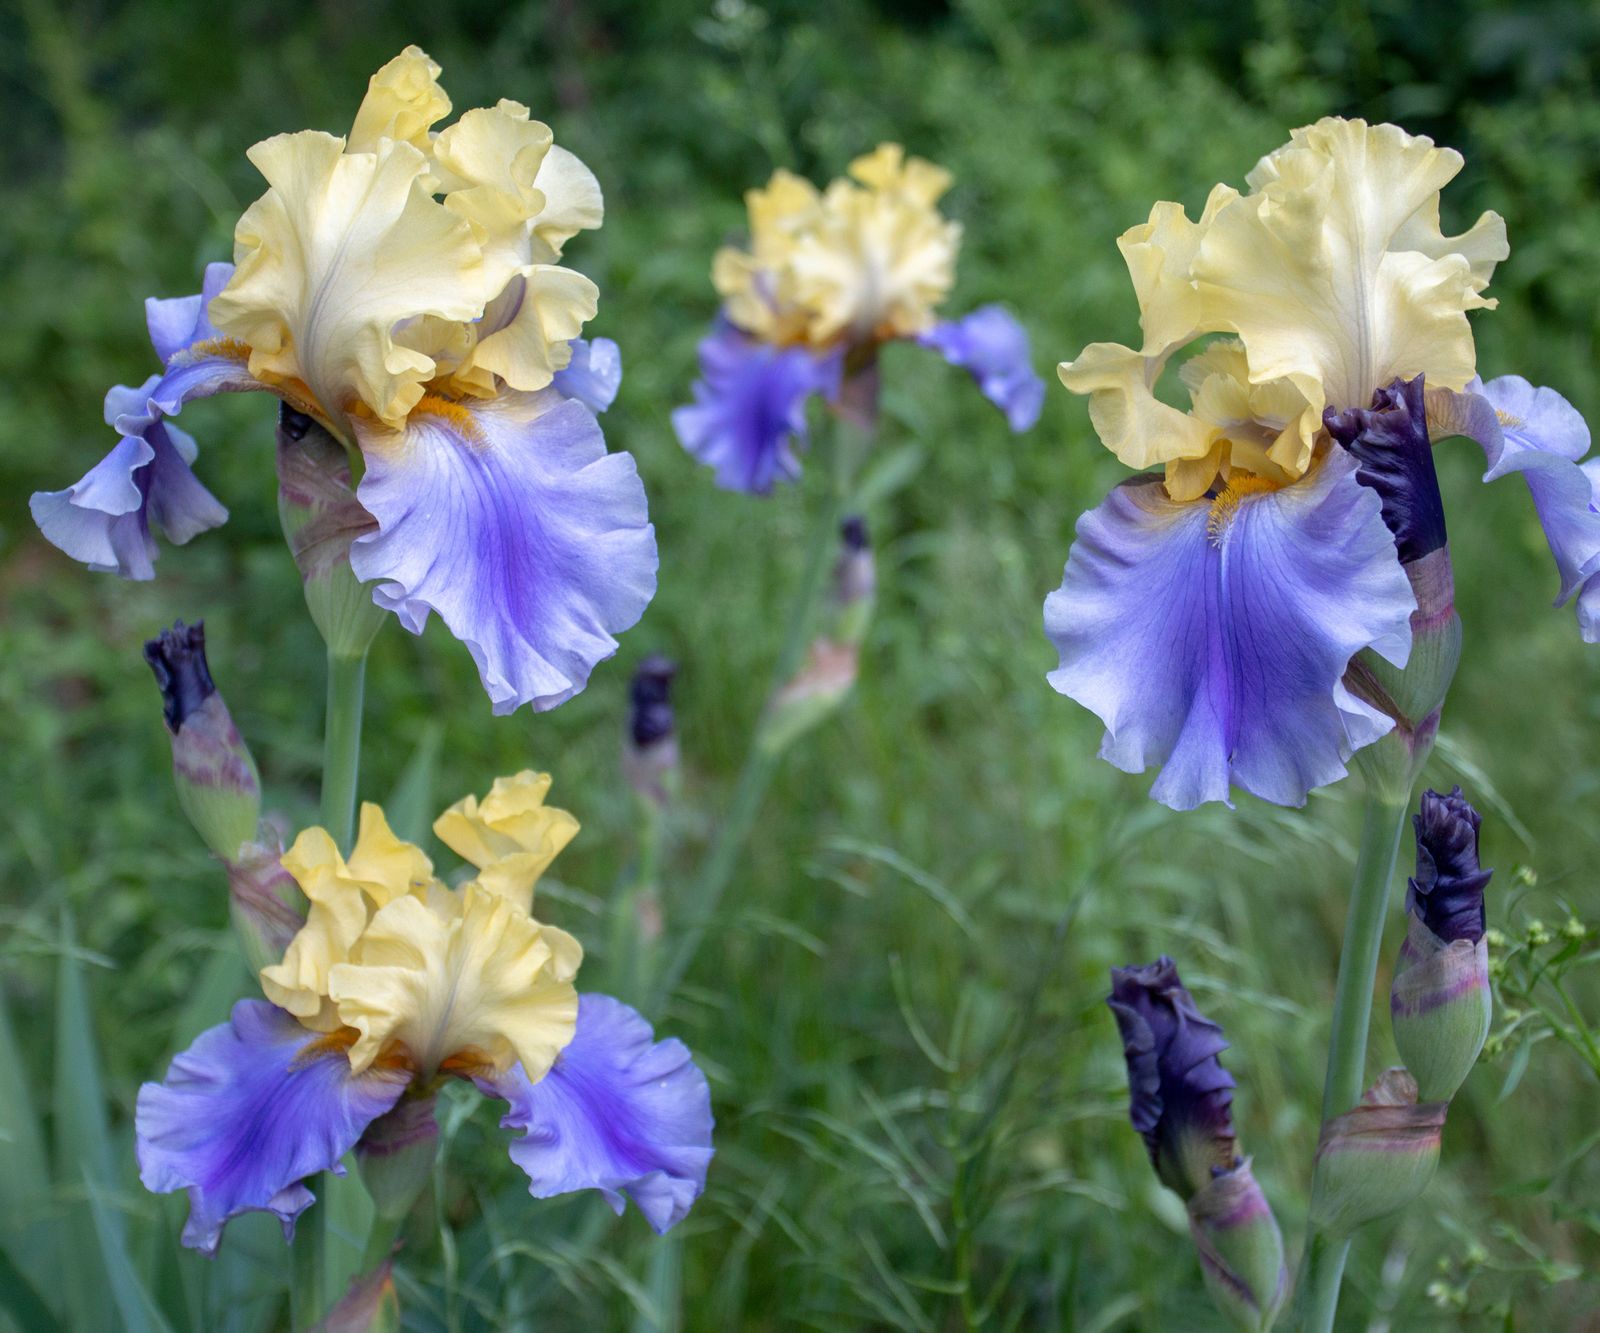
x=1179, y=1097
x=198, y=362
x=1211, y=638
x=994, y=348
x=105, y=518
x=509, y=518
x=619, y=1112
x=1447, y=890
x=749, y=408
x=248, y=1112
x=1536, y=432
x=594, y=374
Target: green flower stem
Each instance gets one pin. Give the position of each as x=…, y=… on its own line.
x=1322, y=1269
x=309, y=1297
x=341, y=746
x=761, y=762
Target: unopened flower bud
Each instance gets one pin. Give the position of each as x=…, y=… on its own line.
x=1240, y=1248
x=371, y=1305
x=1180, y=1099
x=321, y=517
x=833, y=659
x=216, y=778
x=1390, y=441
x=396, y=1155
x=1378, y=1157
x=650, y=750
x=264, y=899
x=1440, y=1001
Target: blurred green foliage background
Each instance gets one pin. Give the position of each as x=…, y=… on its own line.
x=920, y=1095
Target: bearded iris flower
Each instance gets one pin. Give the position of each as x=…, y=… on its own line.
x=827, y=277
x=397, y=982
x=404, y=288
x=1210, y=611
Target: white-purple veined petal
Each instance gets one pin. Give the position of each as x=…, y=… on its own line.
x=248, y=1112
x=594, y=374
x=1213, y=643
x=1536, y=432
x=105, y=518
x=993, y=347
x=619, y=1112
x=749, y=409
x=508, y=517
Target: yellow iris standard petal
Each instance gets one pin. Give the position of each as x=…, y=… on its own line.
x=342, y=896
x=525, y=335
x=341, y=249
x=403, y=101
x=461, y=980
x=511, y=836
x=1334, y=272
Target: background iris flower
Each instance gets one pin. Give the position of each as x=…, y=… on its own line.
x=397, y=982
x=826, y=278
x=403, y=287
x=1209, y=613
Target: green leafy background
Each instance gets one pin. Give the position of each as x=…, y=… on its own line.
x=919, y=1092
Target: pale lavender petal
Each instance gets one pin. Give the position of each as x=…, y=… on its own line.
x=509, y=518
x=994, y=348
x=105, y=519
x=594, y=374
x=619, y=1112
x=749, y=408
x=1536, y=432
x=1214, y=646
x=177, y=323
x=248, y=1112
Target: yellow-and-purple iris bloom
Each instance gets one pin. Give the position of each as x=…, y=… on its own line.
x=1211, y=607
x=396, y=982
x=404, y=287
x=827, y=277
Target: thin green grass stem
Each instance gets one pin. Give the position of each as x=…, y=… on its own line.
x=1322, y=1269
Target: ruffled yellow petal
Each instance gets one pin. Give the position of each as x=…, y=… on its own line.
x=876, y=264
x=1334, y=272
x=340, y=250
x=888, y=168
x=487, y=163
x=525, y=335
x=403, y=101
x=460, y=980
x=511, y=836
x=1130, y=420
x=757, y=285
x=342, y=896
x=572, y=201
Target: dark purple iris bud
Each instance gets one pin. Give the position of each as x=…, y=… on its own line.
x=1179, y=1097
x=650, y=697
x=1390, y=441
x=853, y=533
x=1446, y=893
x=178, y=658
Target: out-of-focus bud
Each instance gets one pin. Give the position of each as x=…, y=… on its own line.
x=1180, y=1099
x=833, y=659
x=396, y=1155
x=321, y=517
x=264, y=899
x=1440, y=1001
x=218, y=787
x=650, y=749
x=370, y=1306
x=857, y=399
x=1390, y=441
x=1377, y=1158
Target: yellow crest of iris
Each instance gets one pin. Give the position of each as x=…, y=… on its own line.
x=401, y=260
x=1332, y=277
x=866, y=260
x=399, y=966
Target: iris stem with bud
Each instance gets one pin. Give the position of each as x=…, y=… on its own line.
x=1383, y=821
